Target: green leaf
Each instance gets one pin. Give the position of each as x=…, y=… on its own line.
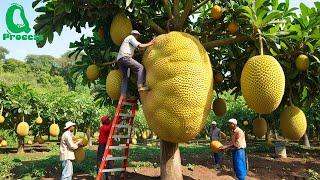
x=275, y=4
x=274, y=14
x=248, y=10
x=316, y=58
x=35, y=3
x=258, y=4
x=283, y=46
x=50, y=36
x=317, y=4
x=305, y=10
x=128, y=2
x=311, y=48
x=261, y=14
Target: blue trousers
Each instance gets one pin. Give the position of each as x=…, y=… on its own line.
x=217, y=158
x=67, y=170
x=239, y=163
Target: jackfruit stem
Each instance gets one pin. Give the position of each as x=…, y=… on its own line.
x=260, y=41
x=23, y=118
x=290, y=97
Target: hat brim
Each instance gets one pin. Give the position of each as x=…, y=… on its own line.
x=70, y=126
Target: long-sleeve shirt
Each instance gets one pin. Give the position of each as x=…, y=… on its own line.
x=104, y=133
x=67, y=146
x=238, y=139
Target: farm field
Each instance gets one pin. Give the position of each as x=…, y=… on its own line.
x=144, y=164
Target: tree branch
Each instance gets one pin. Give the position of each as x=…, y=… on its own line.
x=176, y=8
x=199, y=6
x=185, y=13
x=167, y=8
x=224, y=42
x=156, y=27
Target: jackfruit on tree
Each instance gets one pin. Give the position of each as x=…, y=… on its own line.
x=262, y=83
x=180, y=78
x=293, y=123
x=259, y=127
x=23, y=129
x=113, y=84
x=120, y=28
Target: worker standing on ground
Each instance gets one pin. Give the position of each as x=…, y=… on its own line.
x=67, y=146
x=238, y=145
x=125, y=61
x=104, y=132
x=215, y=135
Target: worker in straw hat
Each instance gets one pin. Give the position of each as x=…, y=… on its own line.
x=238, y=145
x=125, y=61
x=67, y=146
x=215, y=135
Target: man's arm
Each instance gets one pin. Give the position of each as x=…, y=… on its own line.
x=72, y=145
x=146, y=45
x=223, y=135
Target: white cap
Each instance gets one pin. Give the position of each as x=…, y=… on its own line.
x=135, y=32
x=234, y=121
x=69, y=124
x=214, y=123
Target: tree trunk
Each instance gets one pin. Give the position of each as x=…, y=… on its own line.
x=48, y=134
x=170, y=161
x=275, y=134
x=306, y=140
x=88, y=133
x=20, y=144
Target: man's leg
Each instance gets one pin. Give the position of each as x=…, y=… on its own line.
x=140, y=71
x=239, y=163
x=67, y=170
x=123, y=66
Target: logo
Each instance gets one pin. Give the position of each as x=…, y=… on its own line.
x=18, y=31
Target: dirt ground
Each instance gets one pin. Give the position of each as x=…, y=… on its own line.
x=261, y=166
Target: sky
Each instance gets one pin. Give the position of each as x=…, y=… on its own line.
x=60, y=44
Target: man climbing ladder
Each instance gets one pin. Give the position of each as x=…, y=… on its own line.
x=126, y=61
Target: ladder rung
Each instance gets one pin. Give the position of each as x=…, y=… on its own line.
x=123, y=126
x=120, y=136
x=127, y=103
x=113, y=170
x=119, y=147
x=116, y=158
x=124, y=115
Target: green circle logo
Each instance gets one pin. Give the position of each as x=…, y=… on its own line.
x=17, y=28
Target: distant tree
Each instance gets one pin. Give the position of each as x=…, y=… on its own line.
x=3, y=53
x=14, y=65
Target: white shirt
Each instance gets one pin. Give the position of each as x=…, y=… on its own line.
x=67, y=146
x=128, y=46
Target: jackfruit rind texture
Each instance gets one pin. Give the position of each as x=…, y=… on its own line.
x=113, y=84
x=23, y=129
x=179, y=75
x=293, y=123
x=259, y=127
x=121, y=27
x=262, y=83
